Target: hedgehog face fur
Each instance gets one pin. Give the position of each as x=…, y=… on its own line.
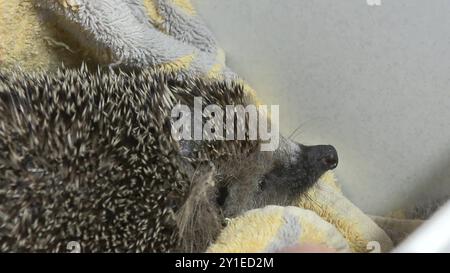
x=89, y=157
x=277, y=178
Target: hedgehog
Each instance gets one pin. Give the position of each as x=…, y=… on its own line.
x=88, y=157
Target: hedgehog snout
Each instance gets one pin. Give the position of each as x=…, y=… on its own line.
x=323, y=157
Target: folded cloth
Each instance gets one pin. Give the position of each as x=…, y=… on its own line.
x=273, y=228
x=165, y=34
x=327, y=200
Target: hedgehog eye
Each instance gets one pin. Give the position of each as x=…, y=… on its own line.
x=262, y=184
x=222, y=195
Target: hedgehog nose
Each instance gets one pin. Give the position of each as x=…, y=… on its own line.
x=329, y=158
x=325, y=155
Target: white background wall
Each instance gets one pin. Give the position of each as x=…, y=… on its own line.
x=372, y=81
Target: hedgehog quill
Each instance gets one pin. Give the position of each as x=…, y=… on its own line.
x=89, y=157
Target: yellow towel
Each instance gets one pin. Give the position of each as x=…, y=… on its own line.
x=273, y=227
x=31, y=43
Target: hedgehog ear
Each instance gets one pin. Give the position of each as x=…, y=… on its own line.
x=198, y=219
